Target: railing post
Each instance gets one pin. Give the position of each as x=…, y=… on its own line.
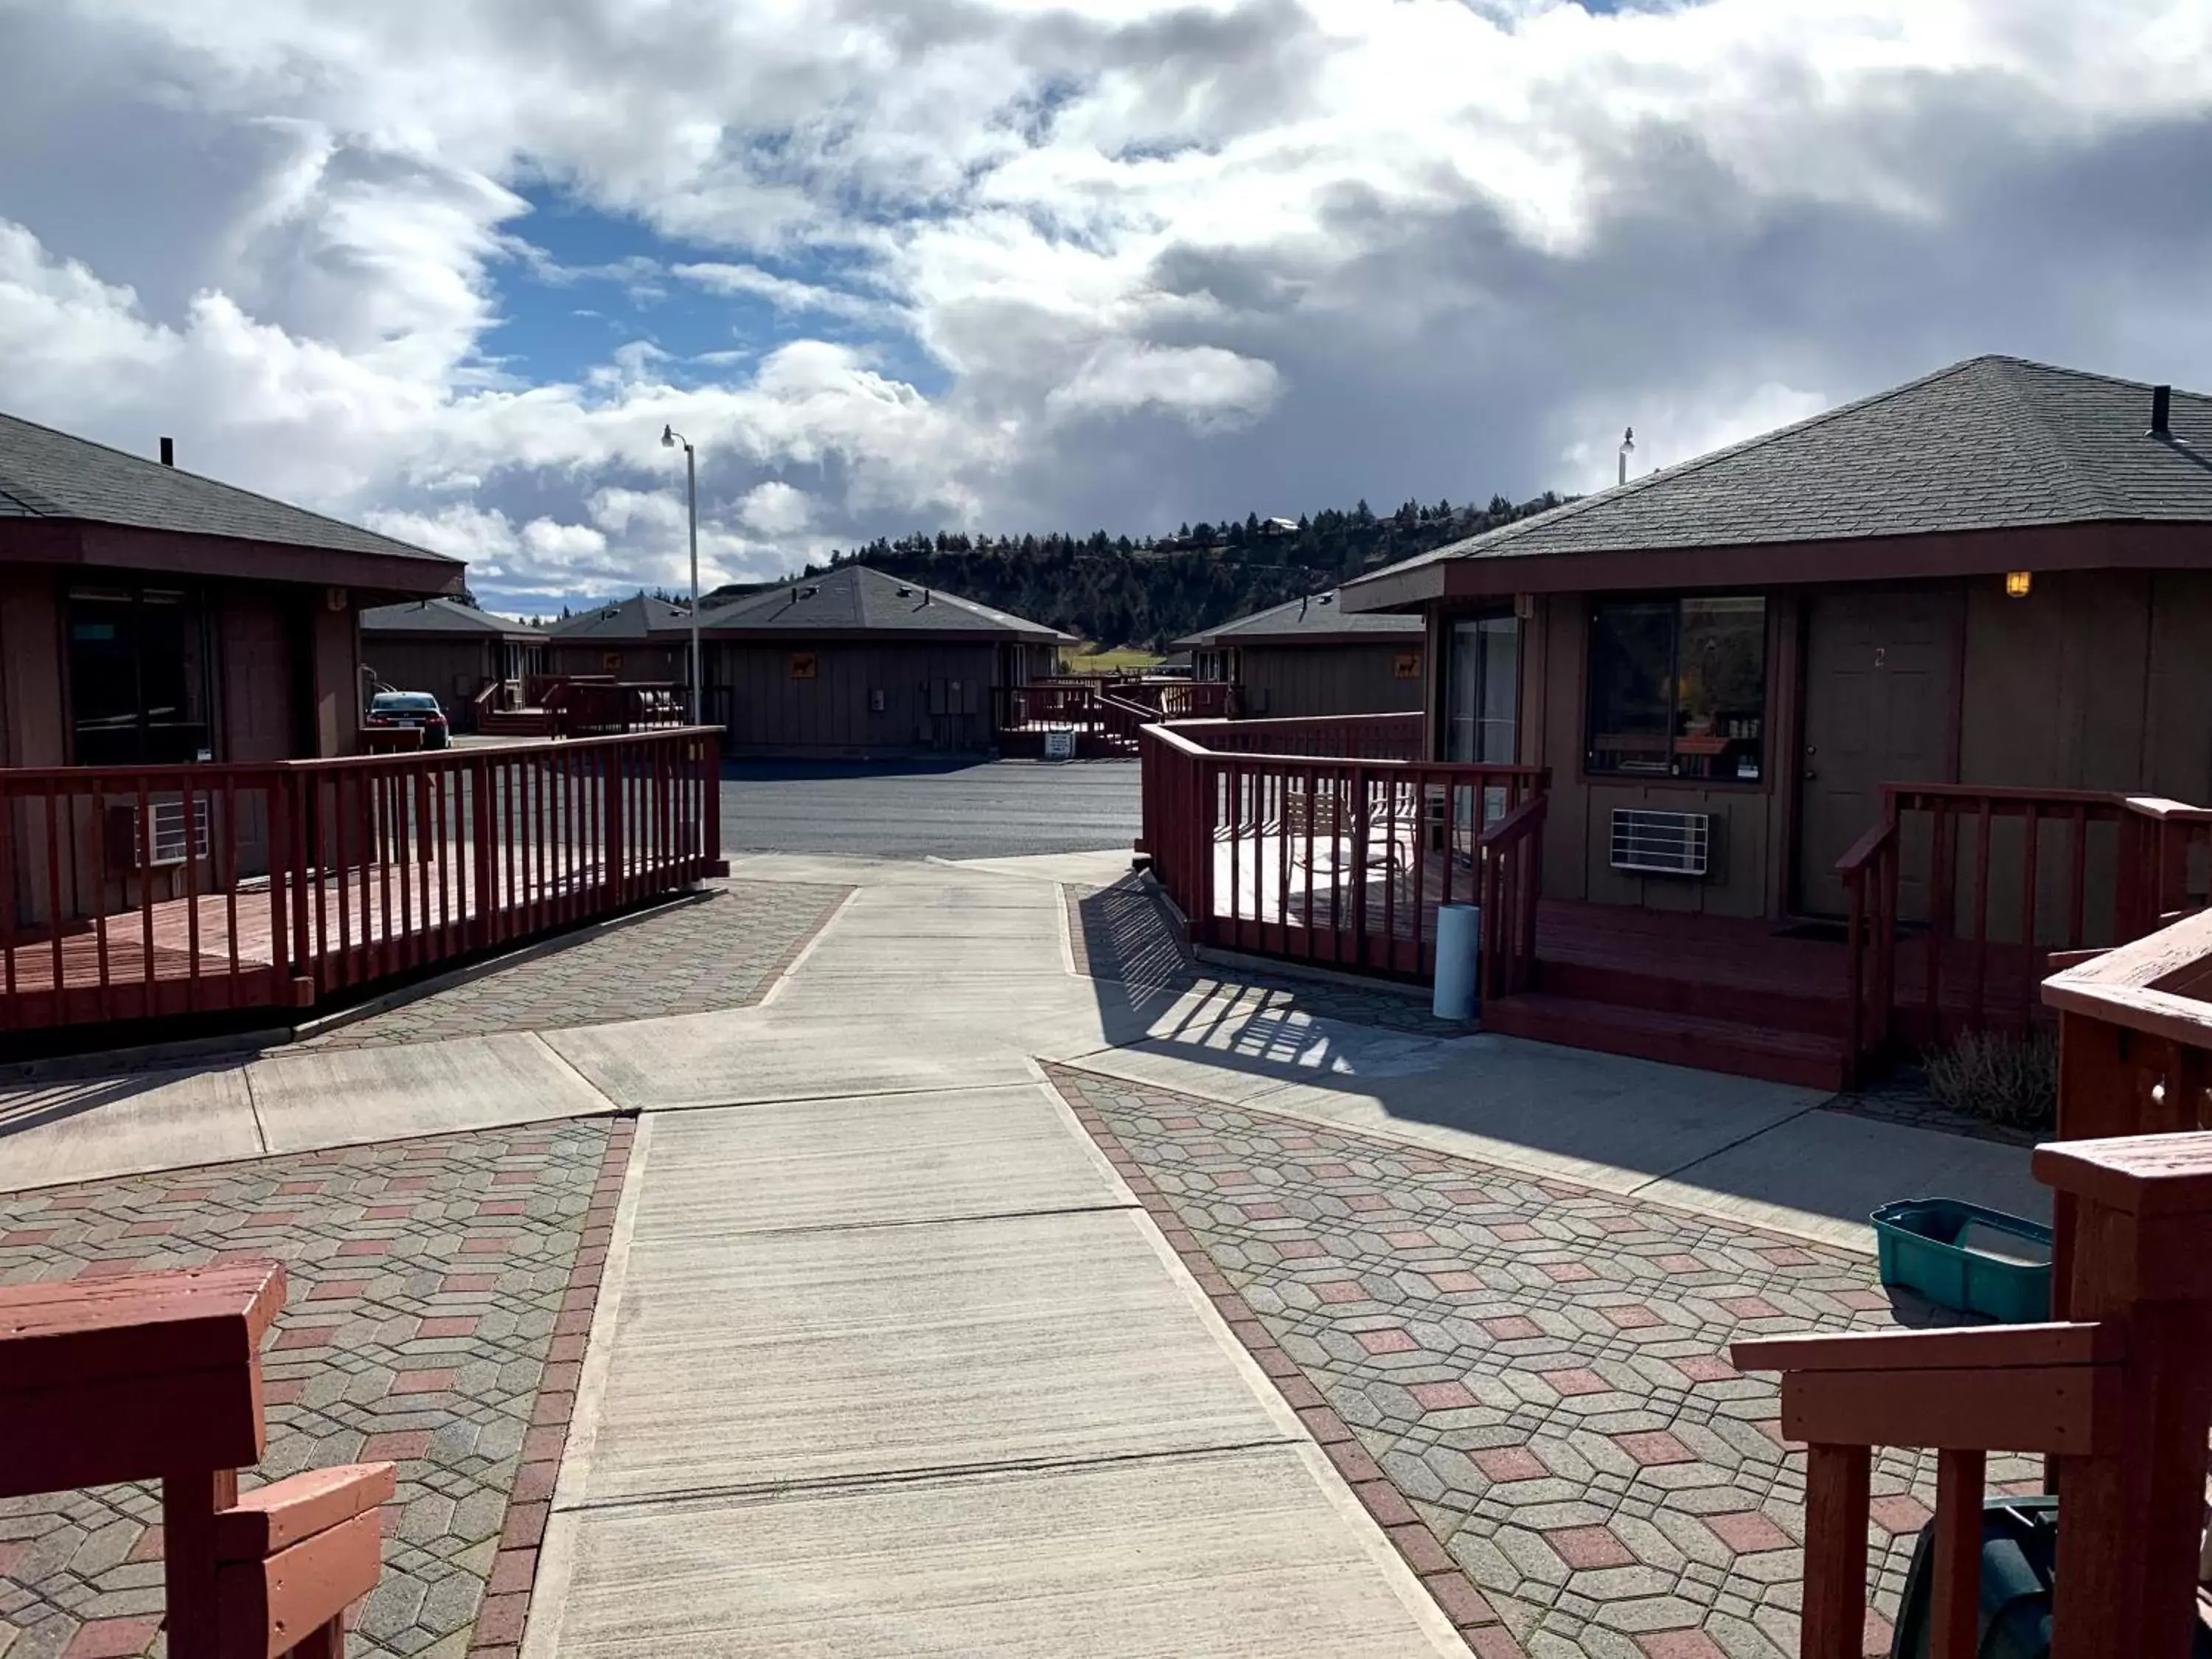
x=610, y=785
x=483, y=876
x=2134, y=1512
x=283, y=957
x=1204, y=773
x=711, y=782
x=1955, y=1628
x=1835, y=1599
x=1854, y=989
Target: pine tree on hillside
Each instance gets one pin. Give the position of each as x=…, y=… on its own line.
x=1145, y=592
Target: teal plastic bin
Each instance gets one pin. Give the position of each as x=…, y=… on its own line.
x=1962, y=1255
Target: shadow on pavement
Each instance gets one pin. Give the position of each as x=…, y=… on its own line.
x=1369, y=1059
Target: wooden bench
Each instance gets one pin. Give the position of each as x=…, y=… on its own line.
x=2116, y=1394
x=157, y=1377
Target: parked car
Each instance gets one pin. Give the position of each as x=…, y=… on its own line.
x=417, y=708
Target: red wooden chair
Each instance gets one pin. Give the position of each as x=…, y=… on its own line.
x=157, y=1377
x=2116, y=1394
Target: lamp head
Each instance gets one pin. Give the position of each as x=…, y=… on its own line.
x=668, y=437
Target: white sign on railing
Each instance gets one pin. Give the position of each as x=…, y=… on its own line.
x=1060, y=745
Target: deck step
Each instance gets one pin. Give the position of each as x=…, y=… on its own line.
x=515, y=723
x=1691, y=994
x=1808, y=1059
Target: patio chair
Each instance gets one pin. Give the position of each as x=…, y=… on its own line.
x=1327, y=815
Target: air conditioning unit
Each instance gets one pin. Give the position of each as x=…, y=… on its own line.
x=1662, y=843
x=166, y=844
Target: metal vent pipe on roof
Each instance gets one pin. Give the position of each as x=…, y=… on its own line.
x=169, y=452
x=2162, y=412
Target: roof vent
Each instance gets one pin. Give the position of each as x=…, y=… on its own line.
x=169, y=452
x=808, y=593
x=1326, y=599
x=2162, y=412
x=906, y=593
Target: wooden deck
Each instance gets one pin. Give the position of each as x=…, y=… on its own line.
x=425, y=858
x=221, y=952
x=1752, y=997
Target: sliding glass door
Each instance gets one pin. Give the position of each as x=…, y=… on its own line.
x=1482, y=691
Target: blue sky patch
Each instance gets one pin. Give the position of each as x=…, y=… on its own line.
x=582, y=282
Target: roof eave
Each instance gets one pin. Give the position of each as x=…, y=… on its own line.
x=1404, y=588
x=2104, y=545
x=168, y=552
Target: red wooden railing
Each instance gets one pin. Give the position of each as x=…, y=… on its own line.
x=1106, y=711
x=1179, y=700
x=1341, y=862
x=1512, y=864
x=592, y=708
x=2117, y=1392
x=1332, y=736
x=1962, y=898
x=129, y=893
x=497, y=697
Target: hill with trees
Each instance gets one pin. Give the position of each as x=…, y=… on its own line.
x=1118, y=590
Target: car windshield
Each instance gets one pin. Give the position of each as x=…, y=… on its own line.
x=410, y=702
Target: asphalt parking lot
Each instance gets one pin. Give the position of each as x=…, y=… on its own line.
x=975, y=810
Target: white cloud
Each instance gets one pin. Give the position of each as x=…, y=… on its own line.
x=1118, y=261
x=1206, y=386
x=774, y=509
x=786, y=293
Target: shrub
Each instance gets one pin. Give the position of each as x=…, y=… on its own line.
x=2001, y=1076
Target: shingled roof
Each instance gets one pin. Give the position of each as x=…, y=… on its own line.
x=50, y=474
x=1992, y=443
x=1317, y=620
x=633, y=620
x=855, y=599
x=442, y=616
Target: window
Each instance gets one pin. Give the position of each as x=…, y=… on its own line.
x=1678, y=688
x=1482, y=695
x=138, y=676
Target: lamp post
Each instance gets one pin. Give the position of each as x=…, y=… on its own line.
x=670, y=437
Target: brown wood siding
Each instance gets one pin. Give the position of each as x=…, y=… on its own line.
x=1300, y=682
x=256, y=689
x=452, y=669
x=2096, y=680
x=336, y=645
x=641, y=665
x=936, y=698
x=33, y=696
x=1749, y=837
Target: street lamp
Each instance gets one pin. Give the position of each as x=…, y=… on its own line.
x=670, y=437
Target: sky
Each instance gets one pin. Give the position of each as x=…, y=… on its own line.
x=447, y=267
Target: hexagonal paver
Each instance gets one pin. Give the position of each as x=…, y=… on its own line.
x=721, y=951
x=397, y=1342
x=1538, y=1369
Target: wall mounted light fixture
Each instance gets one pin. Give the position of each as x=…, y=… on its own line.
x=2017, y=582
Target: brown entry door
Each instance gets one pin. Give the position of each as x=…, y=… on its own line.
x=1881, y=687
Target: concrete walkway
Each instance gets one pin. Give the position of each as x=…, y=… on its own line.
x=889, y=1360
x=940, y=975
x=905, y=1370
